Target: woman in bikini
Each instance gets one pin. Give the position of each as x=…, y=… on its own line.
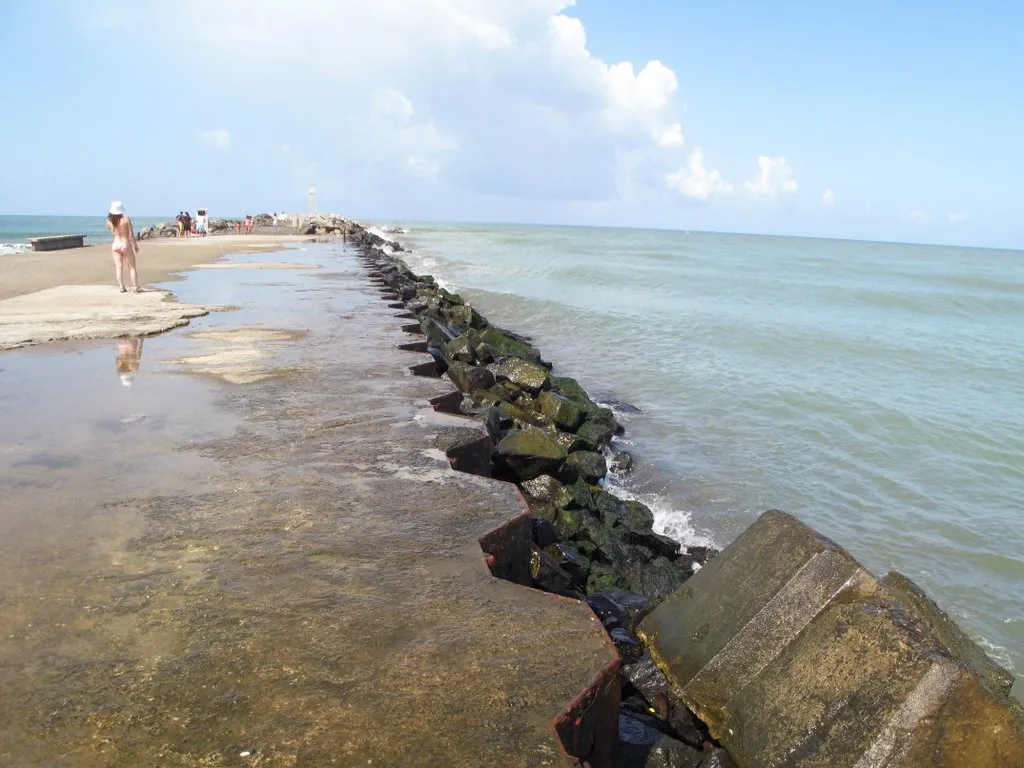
x=125, y=245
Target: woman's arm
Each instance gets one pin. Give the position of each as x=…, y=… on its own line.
x=131, y=235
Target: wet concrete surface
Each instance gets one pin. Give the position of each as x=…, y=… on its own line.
x=273, y=570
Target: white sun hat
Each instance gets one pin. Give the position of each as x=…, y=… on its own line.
x=117, y=208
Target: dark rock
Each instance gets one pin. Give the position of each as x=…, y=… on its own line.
x=570, y=388
x=685, y=725
x=544, y=534
x=464, y=317
x=493, y=395
x=568, y=523
x=492, y=422
x=622, y=461
x=582, y=496
x=547, y=574
x=529, y=453
x=718, y=758
x=570, y=560
x=619, y=608
x=638, y=516
x=547, y=489
x=438, y=334
x=468, y=378
x=598, y=433
x=459, y=349
x=629, y=647
x=561, y=410
x=609, y=508
x=702, y=554
x=664, y=546
x=656, y=580
x=644, y=675
x=588, y=466
x=485, y=353
x=641, y=745
x=573, y=442
x=523, y=418
x=522, y=373
x=602, y=577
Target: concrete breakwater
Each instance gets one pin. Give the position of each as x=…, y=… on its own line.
x=548, y=436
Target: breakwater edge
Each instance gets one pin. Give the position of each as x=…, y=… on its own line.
x=542, y=434
x=867, y=387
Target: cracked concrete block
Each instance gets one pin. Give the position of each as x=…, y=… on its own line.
x=795, y=655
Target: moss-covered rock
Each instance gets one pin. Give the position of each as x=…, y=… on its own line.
x=547, y=489
x=547, y=574
x=459, y=349
x=573, y=442
x=602, y=577
x=585, y=465
x=469, y=378
x=570, y=560
x=582, y=496
x=522, y=373
x=570, y=388
x=523, y=417
x=464, y=317
x=504, y=345
x=529, y=453
x=596, y=432
x=638, y=516
x=568, y=523
x=561, y=410
x=657, y=579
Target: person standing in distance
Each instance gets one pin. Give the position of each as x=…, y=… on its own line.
x=124, y=247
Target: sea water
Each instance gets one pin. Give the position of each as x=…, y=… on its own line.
x=874, y=390
x=16, y=230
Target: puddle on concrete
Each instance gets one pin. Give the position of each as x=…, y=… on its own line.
x=194, y=569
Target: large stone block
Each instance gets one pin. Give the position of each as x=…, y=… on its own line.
x=795, y=655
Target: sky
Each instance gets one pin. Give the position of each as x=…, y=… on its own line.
x=867, y=120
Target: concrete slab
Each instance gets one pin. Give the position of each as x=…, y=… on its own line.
x=285, y=572
x=795, y=655
x=89, y=312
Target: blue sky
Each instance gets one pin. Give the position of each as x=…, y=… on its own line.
x=870, y=120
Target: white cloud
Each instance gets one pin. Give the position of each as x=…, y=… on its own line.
x=774, y=178
x=955, y=218
x=477, y=97
x=828, y=198
x=217, y=138
x=672, y=136
x=696, y=181
x=914, y=214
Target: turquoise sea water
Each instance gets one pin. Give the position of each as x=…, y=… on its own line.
x=872, y=389
x=15, y=230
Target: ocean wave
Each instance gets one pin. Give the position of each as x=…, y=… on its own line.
x=9, y=248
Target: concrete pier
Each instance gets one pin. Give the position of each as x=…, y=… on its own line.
x=56, y=242
x=795, y=655
x=283, y=571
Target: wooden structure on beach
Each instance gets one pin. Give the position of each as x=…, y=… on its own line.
x=56, y=242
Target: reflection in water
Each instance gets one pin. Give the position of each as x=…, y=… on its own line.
x=129, y=356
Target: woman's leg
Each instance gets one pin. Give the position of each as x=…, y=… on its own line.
x=129, y=256
x=119, y=270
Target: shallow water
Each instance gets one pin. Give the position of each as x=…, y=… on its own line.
x=872, y=389
x=282, y=571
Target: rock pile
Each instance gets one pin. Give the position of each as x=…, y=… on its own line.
x=549, y=437
x=170, y=228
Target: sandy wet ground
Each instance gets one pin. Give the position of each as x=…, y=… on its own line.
x=158, y=261
x=254, y=553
